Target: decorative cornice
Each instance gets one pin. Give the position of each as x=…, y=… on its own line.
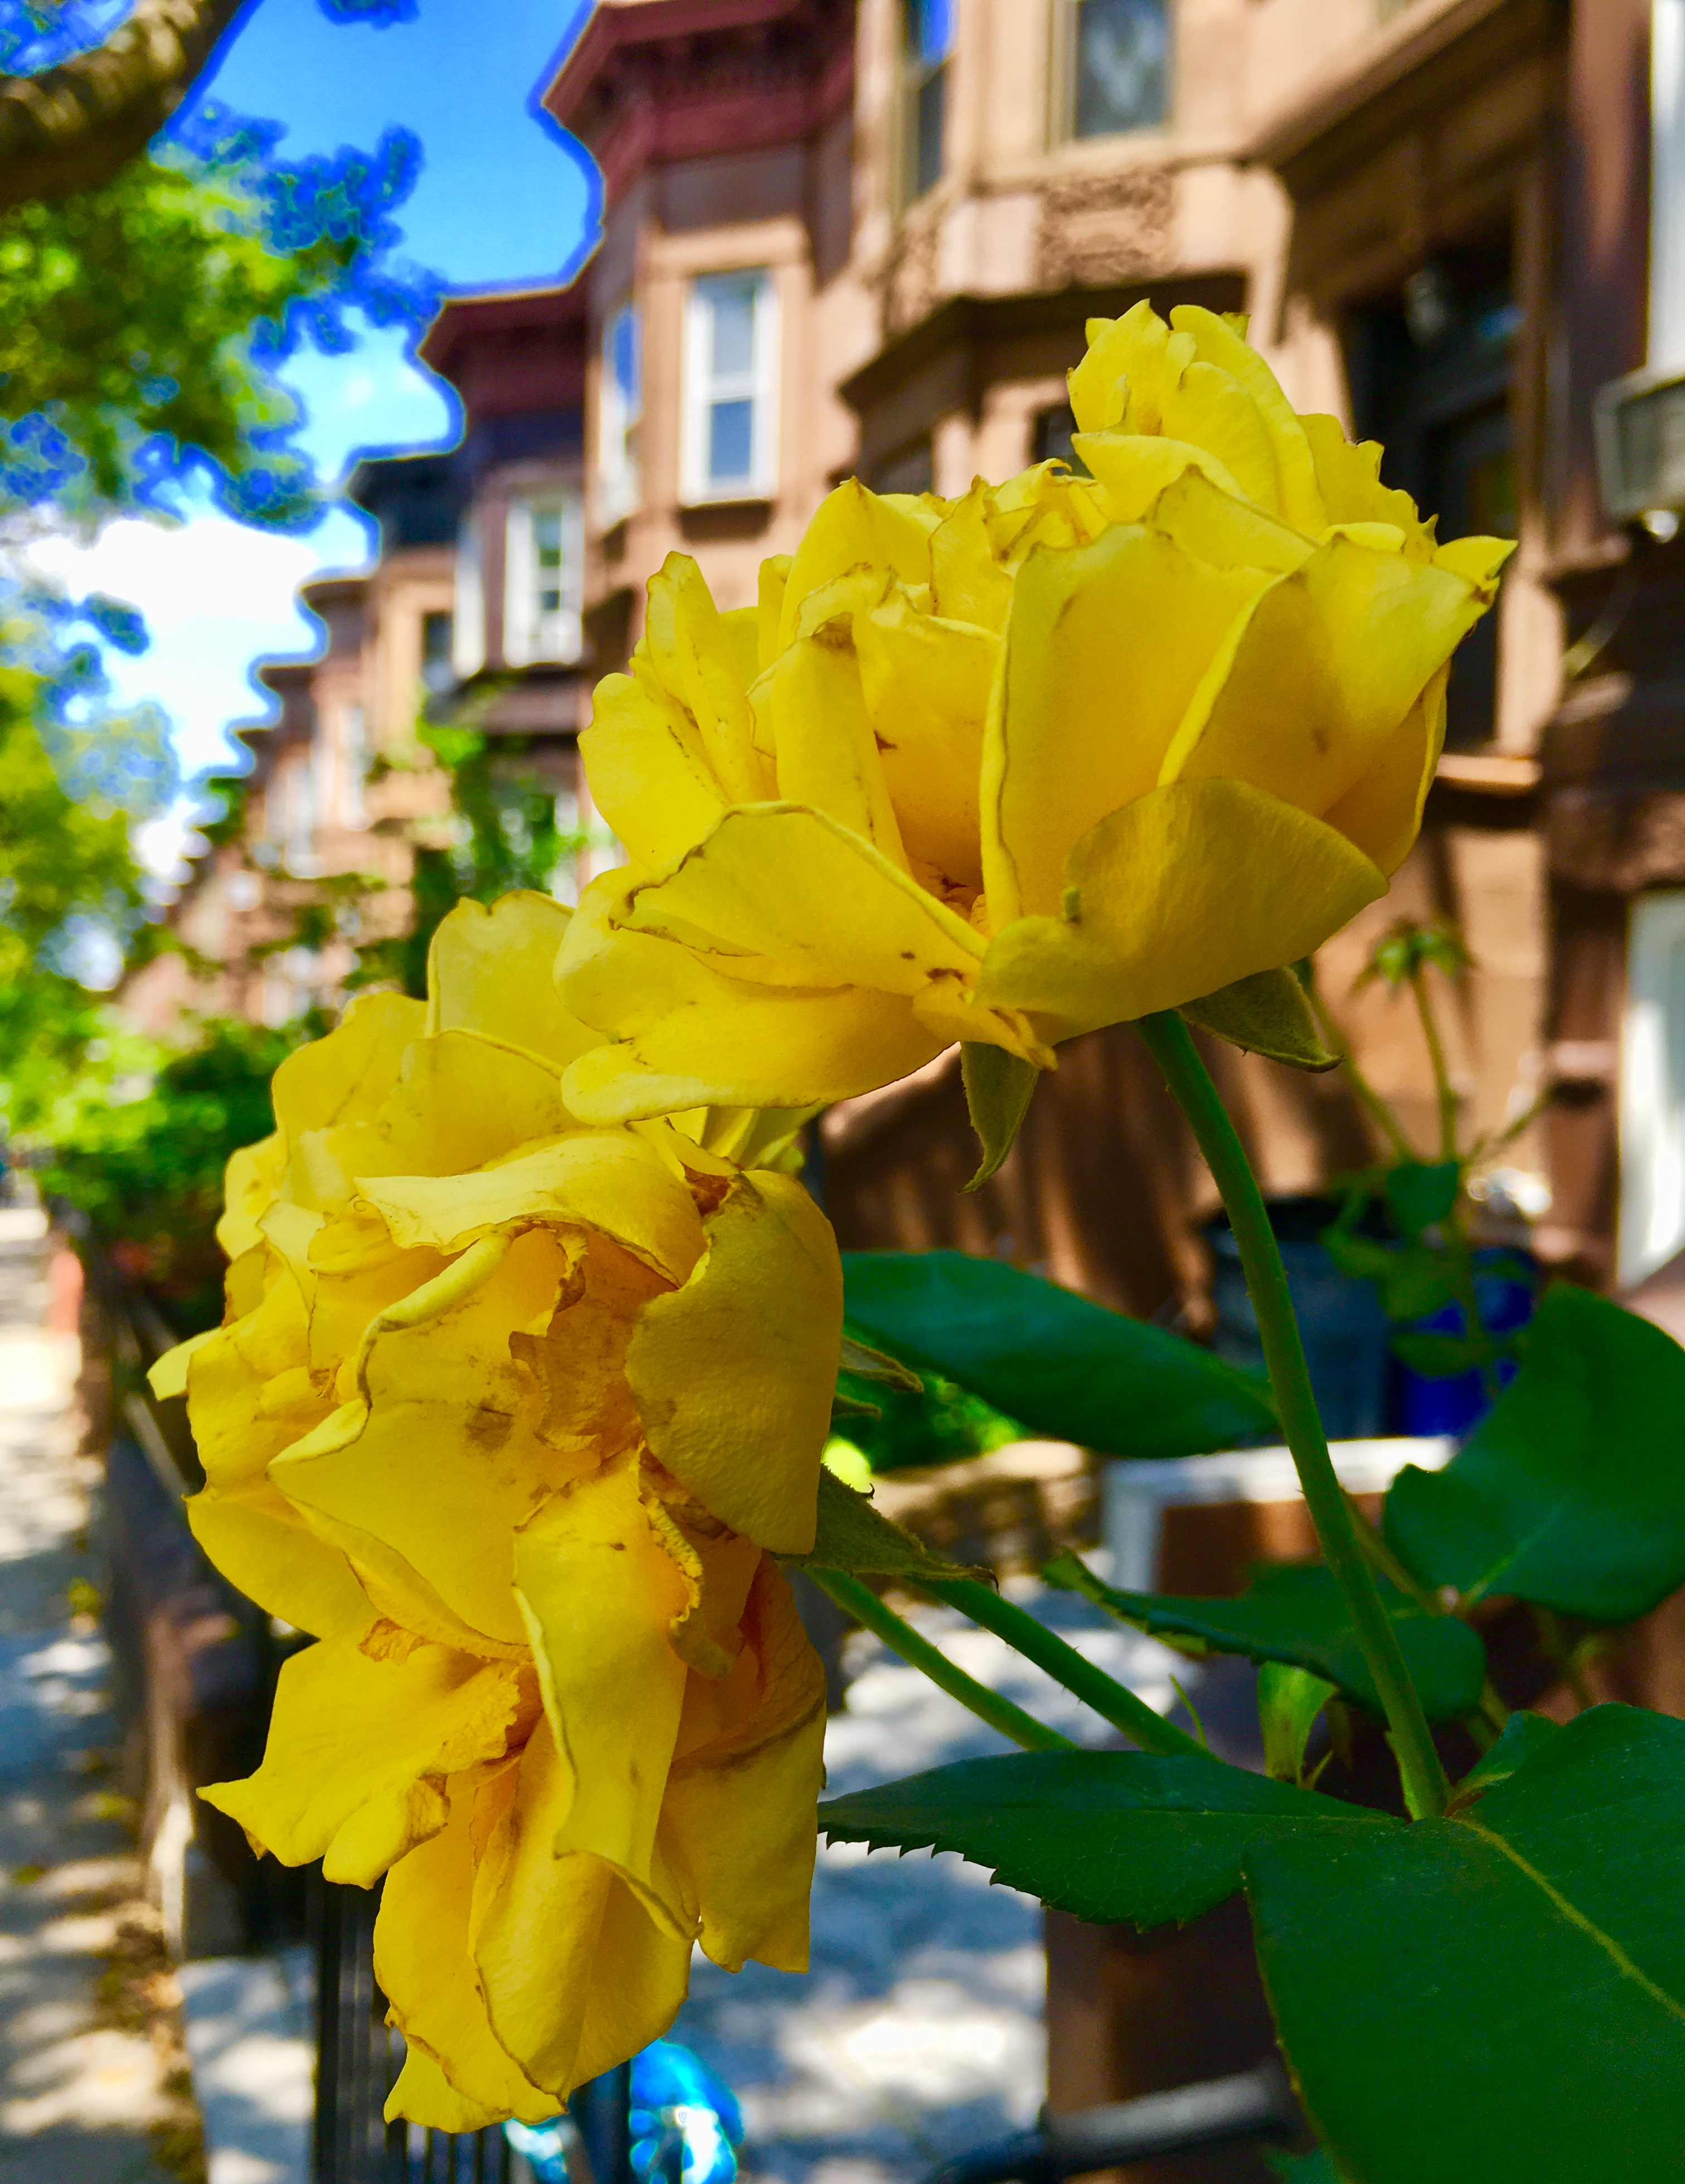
x=655, y=82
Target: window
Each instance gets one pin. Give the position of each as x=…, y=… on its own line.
x=1052, y=434
x=468, y=623
x=1653, y=1090
x=1118, y=67
x=730, y=382
x=927, y=43
x=542, y=593
x=622, y=412
x=438, y=631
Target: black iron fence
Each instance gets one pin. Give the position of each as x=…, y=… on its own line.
x=359, y=2057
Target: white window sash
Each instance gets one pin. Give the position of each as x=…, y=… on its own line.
x=468, y=613
x=1652, y=1227
x=702, y=389
x=618, y=418
x=530, y=636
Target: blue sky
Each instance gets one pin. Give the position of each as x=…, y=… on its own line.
x=505, y=199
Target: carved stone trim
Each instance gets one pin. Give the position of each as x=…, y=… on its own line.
x=1094, y=229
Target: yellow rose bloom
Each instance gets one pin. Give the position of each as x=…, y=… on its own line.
x=511, y=1415
x=1006, y=768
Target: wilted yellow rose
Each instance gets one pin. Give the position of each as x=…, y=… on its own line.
x=1006, y=768
x=510, y=1414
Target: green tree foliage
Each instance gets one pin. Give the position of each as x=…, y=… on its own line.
x=129, y=312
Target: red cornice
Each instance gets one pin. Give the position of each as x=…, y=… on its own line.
x=654, y=81
x=465, y=319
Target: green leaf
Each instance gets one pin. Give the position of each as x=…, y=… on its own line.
x=1421, y=1193
x=1106, y=1835
x=998, y=1088
x=1060, y=1365
x=1413, y=1279
x=1289, y=1700
x=1524, y=1735
x=854, y=1536
x=1499, y=1995
x=1570, y=1492
x=1293, y=1612
x=867, y=1364
x=1302, y=2168
x=1267, y=1014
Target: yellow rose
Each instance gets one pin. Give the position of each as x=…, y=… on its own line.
x=1006, y=768
x=511, y=1414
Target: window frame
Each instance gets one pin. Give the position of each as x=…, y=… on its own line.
x=619, y=476
x=1066, y=79
x=917, y=75
x=530, y=637
x=698, y=488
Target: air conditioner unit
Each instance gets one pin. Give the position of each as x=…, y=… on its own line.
x=1640, y=423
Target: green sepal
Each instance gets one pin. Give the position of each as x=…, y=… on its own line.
x=1267, y=1014
x=1289, y=1700
x=1294, y=1613
x=998, y=1089
x=867, y=1364
x=852, y=1536
x=1570, y=1492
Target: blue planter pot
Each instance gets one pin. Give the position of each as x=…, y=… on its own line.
x=1344, y=1330
x=1459, y=1402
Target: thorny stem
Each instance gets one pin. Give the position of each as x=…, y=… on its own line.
x=1443, y=1089
x=1426, y=1787
x=1113, y=1702
x=918, y=1653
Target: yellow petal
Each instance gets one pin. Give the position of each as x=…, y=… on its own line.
x=852, y=528
x=741, y=1806
x=775, y=576
x=599, y=1592
x=1382, y=815
x=734, y=1373
x=926, y=683
x=1477, y=560
x=1208, y=407
x=1135, y=468
x=734, y=981
x=351, y=1772
x=1323, y=672
x=812, y=709
x=1349, y=478
x=455, y=2077
x=614, y=1185
x=461, y=1102
x=169, y=1376
x=425, y=1486
x=577, y=1976
x=346, y=1076
x=700, y=661
x=1222, y=342
x=1219, y=527
x=650, y=777
x=262, y=1546
x=489, y=972
x=253, y=1178
x=1183, y=891
x=1122, y=373
x=1105, y=648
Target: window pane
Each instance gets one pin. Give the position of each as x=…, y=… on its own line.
x=731, y=442
x=623, y=359
x=929, y=30
x=1122, y=66
x=929, y=113
x=732, y=310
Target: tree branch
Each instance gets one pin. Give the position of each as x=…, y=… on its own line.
x=73, y=127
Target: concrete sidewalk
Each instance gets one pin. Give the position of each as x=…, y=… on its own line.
x=90, y=2085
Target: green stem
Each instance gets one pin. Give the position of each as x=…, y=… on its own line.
x=1368, y=1098
x=1442, y=1076
x=1113, y=1702
x=918, y=1653
x=1426, y=1788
